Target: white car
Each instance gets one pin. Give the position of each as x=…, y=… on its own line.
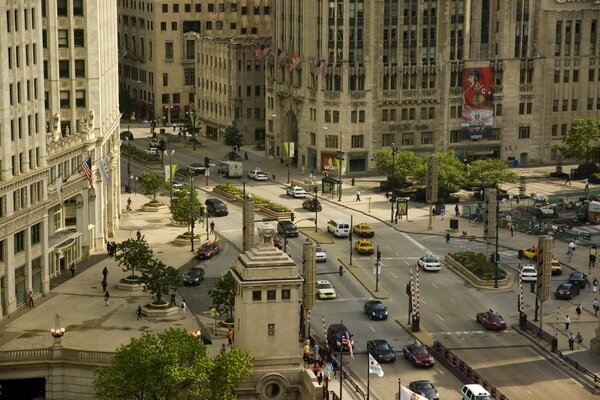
x=153, y=151
x=325, y=290
x=258, y=175
x=320, y=254
x=297, y=192
x=529, y=273
x=429, y=263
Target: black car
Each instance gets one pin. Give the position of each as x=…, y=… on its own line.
x=424, y=388
x=337, y=337
x=578, y=278
x=197, y=168
x=287, y=228
x=381, y=350
x=375, y=309
x=566, y=291
x=193, y=277
x=216, y=208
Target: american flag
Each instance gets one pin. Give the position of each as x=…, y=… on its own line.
x=348, y=343
x=262, y=52
x=319, y=66
x=281, y=56
x=87, y=169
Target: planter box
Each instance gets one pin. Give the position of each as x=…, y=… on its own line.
x=153, y=208
x=130, y=286
x=471, y=276
x=184, y=241
x=161, y=311
x=257, y=207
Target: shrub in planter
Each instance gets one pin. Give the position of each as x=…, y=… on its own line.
x=479, y=265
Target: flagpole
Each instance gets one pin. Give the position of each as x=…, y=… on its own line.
x=399, y=389
x=341, y=367
x=368, y=375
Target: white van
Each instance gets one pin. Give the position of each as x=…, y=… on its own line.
x=338, y=227
x=474, y=392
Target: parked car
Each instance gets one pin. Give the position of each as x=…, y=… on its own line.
x=548, y=211
x=429, y=263
x=363, y=230
x=364, y=247
x=153, y=151
x=375, y=310
x=578, y=278
x=425, y=389
x=287, y=228
x=193, y=277
x=258, y=175
x=313, y=205
x=418, y=355
x=381, y=350
x=207, y=250
x=338, y=336
x=567, y=291
x=215, y=208
x=297, y=192
x=529, y=273
x=197, y=169
x=178, y=182
x=320, y=254
x=325, y=290
x=491, y=320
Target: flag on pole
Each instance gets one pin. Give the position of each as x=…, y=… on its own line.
x=281, y=56
x=294, y=61
x=87, y=169
x=261, y=51
x=348, y=343
x=104, y=171
x=407, y=394
x=319, y=66
x=374, y=367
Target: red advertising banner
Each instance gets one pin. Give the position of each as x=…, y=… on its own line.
x=477, y=110
x=329, y=162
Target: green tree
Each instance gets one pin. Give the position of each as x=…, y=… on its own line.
x=134, y=254
x=185, y=205
x=159, y=279
x=223, y=295
x=582, y=139
x=403, y=167
x=451, y=172
x=491, y=173
x=233, y=136
x=151, y=182
x=170, y=365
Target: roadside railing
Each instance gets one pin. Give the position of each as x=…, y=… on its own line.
x=462, y=370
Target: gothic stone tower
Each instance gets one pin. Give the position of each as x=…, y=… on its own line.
x=267, y=312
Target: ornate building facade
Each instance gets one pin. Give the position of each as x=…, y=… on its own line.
x=393, y=73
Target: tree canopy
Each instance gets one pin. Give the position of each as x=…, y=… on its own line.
x=159, y=279
x=491, y=173
x=134, y=254
x=233, y=137
x=223, y=295
x=151, y=182
x=401, y=165
x=185, y=205
x=170, y=365
x=582, y=139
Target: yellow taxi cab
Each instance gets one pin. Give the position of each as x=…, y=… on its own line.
x=363, y=230
x=556, y=267
x=364, y=246
x=531, y=254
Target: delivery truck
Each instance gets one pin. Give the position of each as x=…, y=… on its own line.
x=231, y=169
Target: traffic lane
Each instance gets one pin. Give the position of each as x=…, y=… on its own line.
x=521, y=372
x=402, y=372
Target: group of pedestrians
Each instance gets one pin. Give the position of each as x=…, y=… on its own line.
x=322, y=369
x=111, y=248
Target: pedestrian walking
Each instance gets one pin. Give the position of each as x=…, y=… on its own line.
x=443, y=212
x=129, y=203
x=578, y=339
x=328, y=368
x=596, y=306
x=212, y=226
x=595, y=285
x=578, y=310
x=593, y=254
x=568, y=180
x=571, y=249
x=512, y=230
x=138, y=313
x=306, y=351
x=106, y=297
x=73, y=268
x=113, y=247
x=173, y=298
x=586, y=182
x=183, y=307
x=567, y=322
x=316, y=348
x=319, y=376
x=105, y=272
x=104, y=285
x=357, y=195
x=30, y=299
x=457, y=210
x=138, y=235
x=230, y=337
x=302, y=170
x=223, y=348
x=571, y=339
x=245, y=155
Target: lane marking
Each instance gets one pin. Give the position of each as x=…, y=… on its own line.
x=452, y=300
x=438, y=315
x=392, y=274
x=434, y=285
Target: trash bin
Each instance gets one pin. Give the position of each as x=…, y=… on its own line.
x=516, y=163
x=206, y=338
x=454, y=224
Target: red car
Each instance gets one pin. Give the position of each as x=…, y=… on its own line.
x=491, y=320
x=207, y=250
x=278, y=242
x=419, y=355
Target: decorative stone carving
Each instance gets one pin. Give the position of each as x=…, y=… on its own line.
x=56, y=127
x=91, y=120
x=82, y=126
x=266, y=232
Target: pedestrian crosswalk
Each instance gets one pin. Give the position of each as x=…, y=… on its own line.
x=469, y=333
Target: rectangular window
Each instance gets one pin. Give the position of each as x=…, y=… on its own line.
x=169, y=50
x=63, y=68
x=574, y=105
x=524, y=132
x=256, y=295
x=454, y=136
x=165, y=79
x=80, y=99
x=78, y=38
x=327, y=116
x=361, y=115
x=427, y=138
x=19, y=242
x=358, y=141
x=285, y=294
x=387, y=139
x=271, y=295
x=407, y=139
x=65, y=99
x=78, y=7
x=79, y=68
x=36, y=233
x=61, y=8
x=565, y=105
x=63, y=38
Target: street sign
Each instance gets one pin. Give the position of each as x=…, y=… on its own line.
x=544, y=260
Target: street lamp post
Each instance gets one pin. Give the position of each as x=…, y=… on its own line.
x=296, y=225
x=316, y=202
x=192, y=116
x=340, y=157
x=192, y=210
x=170, y=154
x=57, y=332
x=288, y=157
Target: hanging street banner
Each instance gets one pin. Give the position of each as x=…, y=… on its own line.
x=477, y=110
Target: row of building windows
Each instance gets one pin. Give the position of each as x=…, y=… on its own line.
x=19, y=241
x=13, y=19
x=62, y=8
x=220, y=7
x=257, y=295
x=16, y=95
x=15, y=54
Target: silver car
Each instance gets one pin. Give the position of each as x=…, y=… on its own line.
x=320, y=254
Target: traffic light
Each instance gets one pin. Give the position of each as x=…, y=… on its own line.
x=378, y=254
x=206, y=161
x=492, y=257
x=532, y=287
x=497, y=258
x=341, y=270
x=447, y=238
x=407, y=287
